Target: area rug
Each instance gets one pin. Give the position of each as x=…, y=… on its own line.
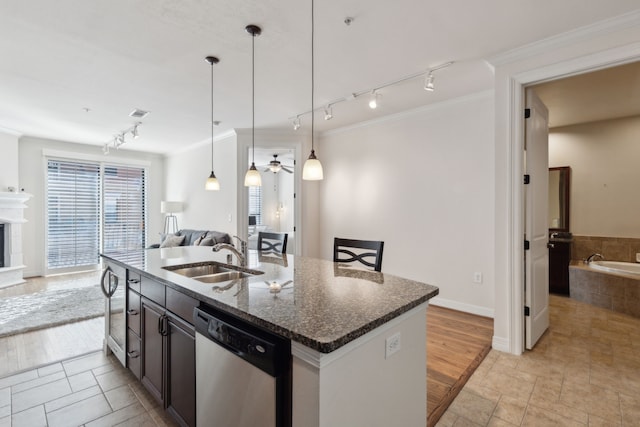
x=46, y=309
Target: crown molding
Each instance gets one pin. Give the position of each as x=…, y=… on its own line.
x=11, y=132
x=606, y=26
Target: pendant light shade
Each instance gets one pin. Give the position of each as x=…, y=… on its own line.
x=212, y=183
x=252, y=177
x=312, y=170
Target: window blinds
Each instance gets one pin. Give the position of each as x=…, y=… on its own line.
x=255, y=203
x=124, y=213
x=86, y=201
x=73, y=214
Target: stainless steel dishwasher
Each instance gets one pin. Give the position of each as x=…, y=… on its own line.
x=243, y=373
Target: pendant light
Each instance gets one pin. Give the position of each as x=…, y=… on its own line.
x=253, y=178
x=312, y=170
x=212, y=183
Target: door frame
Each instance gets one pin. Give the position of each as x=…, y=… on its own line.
x=509, y=249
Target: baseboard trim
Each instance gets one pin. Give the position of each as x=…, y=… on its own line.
x=500, y=344
x=460, y=306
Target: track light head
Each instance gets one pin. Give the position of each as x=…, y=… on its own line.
x=328, y=113
x=428, y=82
x=134, y=131
x=373, y=101
x=296, y=123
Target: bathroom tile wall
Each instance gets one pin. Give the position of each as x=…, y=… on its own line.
x=613, y=248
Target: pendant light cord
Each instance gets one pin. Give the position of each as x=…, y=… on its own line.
x=312, y=78
x=212, y=117
x=253, y=99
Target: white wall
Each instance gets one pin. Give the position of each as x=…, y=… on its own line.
x=186, y=174
x=32, y=179
x=604, y=175
x=8, y=161
x=423, y=183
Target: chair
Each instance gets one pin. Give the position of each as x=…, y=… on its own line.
x=269, y=242
x=340, y=245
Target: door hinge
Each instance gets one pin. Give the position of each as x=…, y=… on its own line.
x=526, y=311
x=526, y=245
x=527, y=113
x=527, y=179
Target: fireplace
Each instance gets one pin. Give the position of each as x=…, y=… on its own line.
x=12, y=218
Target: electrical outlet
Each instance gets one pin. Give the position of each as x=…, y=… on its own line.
x=477, y=277
x=392, y=345
x=229, y=218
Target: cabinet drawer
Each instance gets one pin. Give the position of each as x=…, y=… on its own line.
x=133, y=311
x=133, y=280
x=133, y=353
x=181, y=304
x=153, y=290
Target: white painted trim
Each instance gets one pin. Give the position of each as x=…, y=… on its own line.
x=321, y=360
x=11, y=132
x=500, y=344
x=617, y=23
x=94, y=158
x=516, y=83
x=460, y=306
x=426, y=109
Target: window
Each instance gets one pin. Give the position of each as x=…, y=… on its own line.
x=73, y=214
x=87, y=204
x=255, y=203
x=124, y=212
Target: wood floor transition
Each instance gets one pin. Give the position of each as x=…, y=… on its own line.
x=456, y=344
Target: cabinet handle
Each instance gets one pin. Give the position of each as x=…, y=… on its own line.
x=160, y=324
x=133, y=354
x=133, y=281
x=165, y=326
x=551, y=245
x=132, y=312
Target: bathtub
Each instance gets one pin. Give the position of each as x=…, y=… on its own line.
x=616, y=267
x=613, y=285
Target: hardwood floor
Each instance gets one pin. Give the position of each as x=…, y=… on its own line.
x=456, y=344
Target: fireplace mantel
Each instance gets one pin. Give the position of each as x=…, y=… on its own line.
x=12, y=206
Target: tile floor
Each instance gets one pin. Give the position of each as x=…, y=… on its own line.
x=91, y=390
x=585, y=371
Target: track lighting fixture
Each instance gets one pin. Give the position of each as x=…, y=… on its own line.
x=373, y=101
x=374, y=98
x=212, y=183
x=428, y=82
x=253, y=178
x=296, y=123
x=120, y=139
x=312, y=170
x=328, y=112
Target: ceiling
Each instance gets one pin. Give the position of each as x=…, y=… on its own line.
x=600, y=95
x=73, y=70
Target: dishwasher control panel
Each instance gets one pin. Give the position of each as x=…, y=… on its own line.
x=260, y=348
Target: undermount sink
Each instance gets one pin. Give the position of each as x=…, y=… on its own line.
x=212, y=272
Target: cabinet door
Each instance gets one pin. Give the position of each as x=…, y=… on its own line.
x=181, y=371
x=152, y=348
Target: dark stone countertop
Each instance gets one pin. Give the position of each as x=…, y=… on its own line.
x=322, y=305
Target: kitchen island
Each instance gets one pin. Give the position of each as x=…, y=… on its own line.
x=358, y=338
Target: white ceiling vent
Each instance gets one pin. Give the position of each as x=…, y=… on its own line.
x=139, y=114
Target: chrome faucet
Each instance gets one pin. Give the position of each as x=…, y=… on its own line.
x=592, y=256
x=231, y=248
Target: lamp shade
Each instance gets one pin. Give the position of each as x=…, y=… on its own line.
x=170, y=207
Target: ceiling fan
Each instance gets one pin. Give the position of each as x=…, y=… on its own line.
x=275, y=166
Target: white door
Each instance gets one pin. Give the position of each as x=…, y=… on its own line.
x=536, y=223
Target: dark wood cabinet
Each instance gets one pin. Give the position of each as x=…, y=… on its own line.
x=559, y=260
x=168, y=357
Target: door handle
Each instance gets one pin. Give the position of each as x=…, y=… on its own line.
x=104, y=274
